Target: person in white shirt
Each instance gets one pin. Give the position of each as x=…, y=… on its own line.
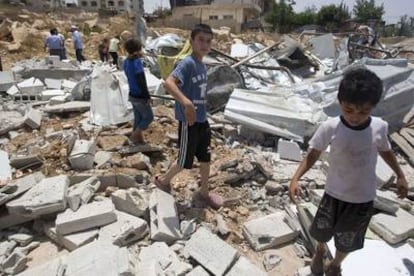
x=355, y=138
x=113, y=49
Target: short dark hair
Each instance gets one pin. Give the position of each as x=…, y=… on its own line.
x=132, y=45
x=360, y=86
x=54, y=31
x=201, y=28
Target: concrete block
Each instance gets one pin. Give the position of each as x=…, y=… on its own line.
x=48, y=94
x=6, y=80
x=22, y=239
x=243, y=267
x=26, y=249
x=131, y=201
x=82, y=155
x=168, y=259
x=210, y=251
x=25, y=161
x=70, y=241
x=47, y=197
x=88, y=216
x=393, y=228
x=15, y=263
x=149, y=268
x=101, y=157
x=5, y=169
x=33, y=118
x=289, y=150
x=383, y=172
x=73, y=106
x=80, y=193
x=269, y=231
x=52, y=60
x=198, y=271
x=31, y=86
x=98, y=259
x=386, y=201
x=52, y=268
x=19, y=186
x=68, y=85
x=8, y=220
x=125, y=230
x=13, y=90
x=55, y=100
x=6, y=247
x=53, y=83
x=165, y=225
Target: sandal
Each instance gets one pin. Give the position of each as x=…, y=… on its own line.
x=317, y=263
x=162, y=186
x=214, y=200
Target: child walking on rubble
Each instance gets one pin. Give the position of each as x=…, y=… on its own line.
x=355, y=138
x=138, y=90
x=188, y=85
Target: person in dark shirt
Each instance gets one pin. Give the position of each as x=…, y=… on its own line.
x=138, y=90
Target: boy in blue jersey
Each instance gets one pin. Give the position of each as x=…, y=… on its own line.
x=138, y=90
x=188, y=85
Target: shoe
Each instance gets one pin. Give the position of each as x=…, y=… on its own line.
x=317, y=263
x=162, y=186
x=333, y=270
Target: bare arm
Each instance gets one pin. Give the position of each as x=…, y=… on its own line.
x=402, y=184
x=311, y=157
x=172, y=88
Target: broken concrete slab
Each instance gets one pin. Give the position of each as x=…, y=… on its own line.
x=73, y=106
x=97, y=259
x=168, y=259
x=88, y=216
x=149, y=268
x=33, y=118
x=5, y=169
x=82, y=155
x=47, y=197
x=31, y=86
x=52, y=268
x=6, y=80
x=323, y=46
x=289, y=150
x=15, y=263
x=6, y=247
x=22, y=239
x=70, y=241
x=68, y=85
x=165, y=225
x=46, y=95
x=126, y=230
x=131, y=201
x=107, y=179
x=386, y=201
x=383, y=172
x=269, y=231
x=19, y=186
x=101, y=158
x=198, y=271
x=8, y=220
x=393, y=228
x=24, y=162
x=53, y=83
x=210, y=251
x=243, y=267
x=26, y=249
x=55, y=100
x=80, y=193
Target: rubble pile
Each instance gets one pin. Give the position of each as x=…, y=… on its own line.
x=77, y=198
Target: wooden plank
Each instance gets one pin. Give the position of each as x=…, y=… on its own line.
x=409, y=117
x=404, y=146
x=410, y=131
x=410, y=139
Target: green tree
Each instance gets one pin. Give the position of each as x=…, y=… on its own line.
x=281, y=16
x=333, y=16
x=366, y=9
x=307, y=17
x=406, y=26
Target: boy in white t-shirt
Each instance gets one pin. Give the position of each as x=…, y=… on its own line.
x=355, y=138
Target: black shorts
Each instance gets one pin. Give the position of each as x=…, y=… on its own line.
x=347, y=222
x=194, y=141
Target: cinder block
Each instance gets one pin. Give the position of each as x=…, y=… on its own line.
x=88, y=216
x=48, y=94
x=131, y=201
x=269, y=231
x=125, y=230
x=165, y=225
x=243, y=267
x=82, y=155
x=289, y=150
x=47, y=197
x=170, y=263
x=80, y=193
x=33, y=118
x=6, y=80
x=15, y=263
x=53, y=83
x=210, y=251
x=31, y=86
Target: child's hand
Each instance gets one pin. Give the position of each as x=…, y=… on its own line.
x=402, y=187
x=190, y=113
x=294, y=190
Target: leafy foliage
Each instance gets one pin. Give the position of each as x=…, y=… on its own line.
x=366, y=9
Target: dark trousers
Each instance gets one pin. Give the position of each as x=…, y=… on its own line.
x=114, y=56
x=56, y=52
x=79, y=55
